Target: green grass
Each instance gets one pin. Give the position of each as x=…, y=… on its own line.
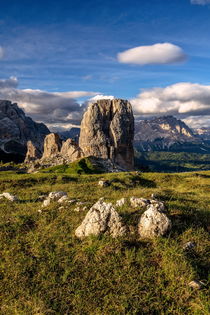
x=46, y=270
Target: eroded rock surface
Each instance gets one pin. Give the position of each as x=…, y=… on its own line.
x=52, y=146
x=32, y=152
x=101, y=218
x=107, y=131
x=16, y=129
x=154, y=222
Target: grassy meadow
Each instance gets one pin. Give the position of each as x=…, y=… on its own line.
x=45, y=270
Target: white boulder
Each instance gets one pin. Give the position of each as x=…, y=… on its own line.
x=102, y=218
x=153, y=223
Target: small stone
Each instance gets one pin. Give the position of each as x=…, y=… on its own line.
x=46, y=202
x=120, y=202
x=9, y=196
x=63, y=199
x=103, y=183
x=40, y=211
x=158, y=205
x=79, y=209
x=60, y=208
x=189, y=245
x=139, y=202
x=56, y=195
x=196, y=284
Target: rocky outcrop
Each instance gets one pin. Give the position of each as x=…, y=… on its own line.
x=102, y=218
x=16, y=130
x=32, y=153
x=107, y=132
x=52, y=146
x=71, y=151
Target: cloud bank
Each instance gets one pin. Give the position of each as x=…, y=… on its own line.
x=182, y=99
x=101, y=97
x=52, y=108
x=200, y=2
x=164, y=53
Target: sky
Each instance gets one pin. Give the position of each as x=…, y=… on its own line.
x=55, y=56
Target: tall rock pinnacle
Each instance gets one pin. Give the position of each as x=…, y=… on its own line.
x=107, y=131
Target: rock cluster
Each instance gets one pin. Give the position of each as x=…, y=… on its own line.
x=107, y=131
x=55, y=152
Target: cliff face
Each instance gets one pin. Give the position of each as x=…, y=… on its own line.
x=16, y=130
x=161, y=133
x=107, y=131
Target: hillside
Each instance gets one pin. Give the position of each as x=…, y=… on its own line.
x=45, y=269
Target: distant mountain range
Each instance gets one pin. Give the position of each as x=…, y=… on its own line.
x=157, y=134
x=168, y=133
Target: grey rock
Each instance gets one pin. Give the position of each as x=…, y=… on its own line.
x=32, y=153
x=102, y=218
x=153, y=223
x=56, y=195
x=107, y=131
x=52, y=146
x=16, y=130
x=71, y=151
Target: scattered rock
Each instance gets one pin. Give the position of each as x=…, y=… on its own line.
x=139, y=202
x=153, y=223
x=63, y=199
x=56, y=195
x=120, y=202
x=107, y=131
x=158, y=205
x=189, y=245
x=46, y=202
x=103, y=183
x=196, y=284
x=102, y=218
x=9, y=196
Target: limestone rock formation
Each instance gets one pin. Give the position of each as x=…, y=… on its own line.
x=9, y=196
x=16, y=130
x=52, y=146
x=107, y=132
x=71, y=151
x=154, y=222
x=101, y=218
x=32, y=153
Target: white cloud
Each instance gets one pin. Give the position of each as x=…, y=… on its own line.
x=102, y=97
x=1, y=52
x=52, y=108
x=164, y=53
x=197, y=121
x=201, y=2
x=186, y=99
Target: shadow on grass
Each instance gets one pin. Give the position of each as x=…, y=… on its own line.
x=132, y=182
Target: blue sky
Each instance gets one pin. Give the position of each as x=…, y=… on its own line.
x=64, y=46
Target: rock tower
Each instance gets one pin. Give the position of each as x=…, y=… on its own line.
x=107, y=131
